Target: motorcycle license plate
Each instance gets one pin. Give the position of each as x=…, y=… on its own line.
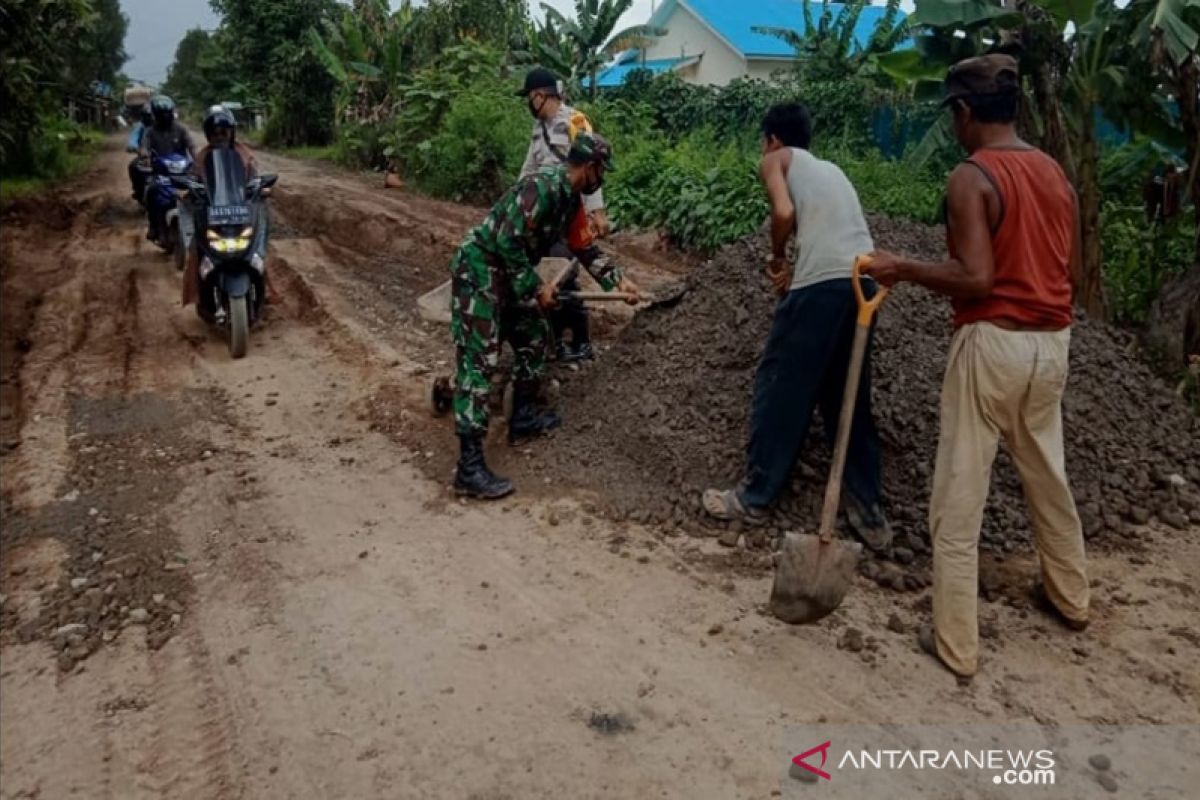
x=229, y=215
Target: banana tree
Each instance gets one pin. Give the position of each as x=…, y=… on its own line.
x=579, y=47
x=1167, y=39
x=364, y=52
x=827, y=49
x=1070, y=72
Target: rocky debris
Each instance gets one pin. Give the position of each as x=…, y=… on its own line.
x=1108, y=782
x=1100, y=762
x=851, y=640
x=663, y=415
x=610, y=724
x=123, y=569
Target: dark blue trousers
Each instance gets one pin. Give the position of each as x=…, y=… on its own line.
x=804, y=368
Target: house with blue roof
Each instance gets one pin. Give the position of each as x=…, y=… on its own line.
x=713, y=42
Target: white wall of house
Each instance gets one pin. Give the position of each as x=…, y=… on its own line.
x=687, y=35
x=764, y=68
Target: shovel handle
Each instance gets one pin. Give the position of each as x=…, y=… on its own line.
x=593, y=296
x=866, y=308
x=566, y=271
x=862, y=333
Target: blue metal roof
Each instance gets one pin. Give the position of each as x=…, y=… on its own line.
x=734, y=21
x=615, y=75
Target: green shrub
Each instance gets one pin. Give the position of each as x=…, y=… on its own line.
x=891, y=187
x=701, y=193
x=478, y=151
x=1139, y=258
x=58, y=149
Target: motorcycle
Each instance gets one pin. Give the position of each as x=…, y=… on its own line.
x=161, y=201
x=231, y=227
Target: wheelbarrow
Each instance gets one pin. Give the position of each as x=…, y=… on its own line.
x=434, y=306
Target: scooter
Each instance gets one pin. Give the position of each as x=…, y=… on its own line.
x=162, y=201
x=231, y=230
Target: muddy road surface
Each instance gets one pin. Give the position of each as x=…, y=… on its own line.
x=232, y=579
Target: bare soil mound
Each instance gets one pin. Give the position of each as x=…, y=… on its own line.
x=664, y=414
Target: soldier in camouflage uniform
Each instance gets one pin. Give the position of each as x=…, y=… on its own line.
x=497, y=295
x=555, y=126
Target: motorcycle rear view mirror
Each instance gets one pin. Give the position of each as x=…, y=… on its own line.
x=269, y=180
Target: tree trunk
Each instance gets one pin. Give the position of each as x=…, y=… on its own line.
x=1188, y=82
x=1089, y=287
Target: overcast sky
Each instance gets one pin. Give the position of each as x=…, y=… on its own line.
x=154, y=31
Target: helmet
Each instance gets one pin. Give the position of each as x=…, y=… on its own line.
x=219, y=117
x=163, y=109
x=591, y=148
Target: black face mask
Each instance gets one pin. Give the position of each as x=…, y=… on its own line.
x=536, y=110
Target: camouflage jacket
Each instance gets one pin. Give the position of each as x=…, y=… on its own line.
x=530, y=219
x=551, y=141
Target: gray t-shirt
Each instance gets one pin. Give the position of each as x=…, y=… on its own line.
x=831, y=230
x=175, y=140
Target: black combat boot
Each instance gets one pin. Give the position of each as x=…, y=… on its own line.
x=473, y=478
x=527, y=421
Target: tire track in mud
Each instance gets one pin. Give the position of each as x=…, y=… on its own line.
x=104, y=336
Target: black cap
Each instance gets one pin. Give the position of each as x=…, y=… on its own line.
x=540, y=78
x=983, y=75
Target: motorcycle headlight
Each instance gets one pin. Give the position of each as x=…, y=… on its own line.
x=230, y=244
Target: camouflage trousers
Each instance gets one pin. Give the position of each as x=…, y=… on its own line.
x=483, y=317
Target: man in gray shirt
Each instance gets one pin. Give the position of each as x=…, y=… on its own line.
x=807, y=353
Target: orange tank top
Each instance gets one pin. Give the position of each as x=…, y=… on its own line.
x=1031, y=246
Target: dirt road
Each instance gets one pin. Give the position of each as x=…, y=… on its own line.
x=232, y=579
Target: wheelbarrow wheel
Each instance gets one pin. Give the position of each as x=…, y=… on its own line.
x=441, y=395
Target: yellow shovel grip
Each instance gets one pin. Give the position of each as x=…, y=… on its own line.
x=866, y=308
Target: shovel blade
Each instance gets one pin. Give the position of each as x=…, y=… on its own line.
x=812, y=578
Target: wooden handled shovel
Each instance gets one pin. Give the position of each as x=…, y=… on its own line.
x=814, y=573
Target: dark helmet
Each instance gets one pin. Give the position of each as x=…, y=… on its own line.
x=541, y=78
x=219, y=117
x=163, y=109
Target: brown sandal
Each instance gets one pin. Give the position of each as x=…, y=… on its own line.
x=726, y=505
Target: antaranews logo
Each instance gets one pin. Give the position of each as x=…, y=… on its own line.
x=823, y=749
x=1010, y=767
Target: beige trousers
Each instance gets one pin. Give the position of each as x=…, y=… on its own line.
x=1007, y=384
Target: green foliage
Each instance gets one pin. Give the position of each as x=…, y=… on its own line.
x=577, y=47
x=701, y=193
x=364, y=52
x=262, y=56
x=826, y=48
x=477, y=151
x=442, y=24
x=1140, y=257
x=60, y=150
x=49, y=50
x=890, y=187
x=200, y=74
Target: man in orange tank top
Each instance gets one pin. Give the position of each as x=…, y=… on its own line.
x=1013, y=238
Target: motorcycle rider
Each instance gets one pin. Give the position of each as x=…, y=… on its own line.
x=220, y=131
x=137, y=176
x=165, y=136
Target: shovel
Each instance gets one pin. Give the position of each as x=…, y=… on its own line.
x=813, y=573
